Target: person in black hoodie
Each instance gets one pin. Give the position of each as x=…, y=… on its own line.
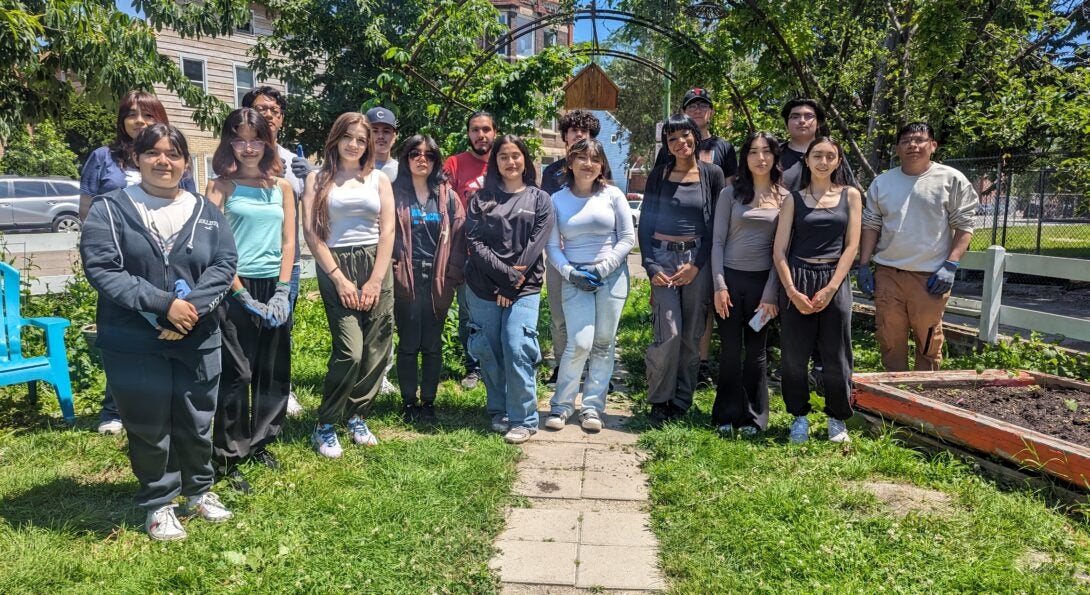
x=162, y=260
x=675, y=236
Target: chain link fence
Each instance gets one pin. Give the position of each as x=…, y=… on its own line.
x=1033, y=204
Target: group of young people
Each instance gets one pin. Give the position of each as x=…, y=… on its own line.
x=196, y=292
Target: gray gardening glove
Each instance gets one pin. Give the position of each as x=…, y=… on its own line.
x=258, y=310
x=865, y=277
x=279, y=307
x=585, y=280
x=301, y=167
x=943, y=279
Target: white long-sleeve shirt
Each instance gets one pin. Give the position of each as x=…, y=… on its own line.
x=592, y=230
x=915, y=216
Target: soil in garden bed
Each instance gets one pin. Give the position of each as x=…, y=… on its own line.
x=1063, y=413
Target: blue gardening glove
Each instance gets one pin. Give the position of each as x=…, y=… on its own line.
x=181, y=289
x=943, y=279
x=865, y=277
x=259, y=311
x=279, y=306
x=300, y=167
x=592, y=269
x=585, y=281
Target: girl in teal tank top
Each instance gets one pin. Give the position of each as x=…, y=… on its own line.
x=260, y=208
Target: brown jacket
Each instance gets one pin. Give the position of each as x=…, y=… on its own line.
x=450, y=253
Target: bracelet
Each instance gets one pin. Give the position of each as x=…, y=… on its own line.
x=330, y=272
x=287, y=283
x=240, y=291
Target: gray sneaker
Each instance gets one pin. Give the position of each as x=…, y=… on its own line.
x=590, y=421
x=471, y=380
x=557, y=420
x=500, y=424
x=110, y=427
x=519, y=434
x=800, y=430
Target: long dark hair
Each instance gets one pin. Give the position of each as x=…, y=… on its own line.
x=493, y=182
x=592, y=148
x=331, y=165
x=743, y=184
x=840, y=176
x=404, y=181
x=121, y=150
x=223, y=160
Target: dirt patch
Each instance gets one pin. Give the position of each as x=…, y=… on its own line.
x=1060, y=412
x=903, y=499
x=547, y=487
x=1032, y=560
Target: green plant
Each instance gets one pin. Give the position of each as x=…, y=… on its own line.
x=41, y=152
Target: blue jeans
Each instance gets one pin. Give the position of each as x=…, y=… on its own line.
x=592, y=319
x=504, y=341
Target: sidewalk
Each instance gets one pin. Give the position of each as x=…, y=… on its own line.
x=586, y=528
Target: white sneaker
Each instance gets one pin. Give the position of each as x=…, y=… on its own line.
x=209, y=507
x=557, y=420
x=109, y=427
x=294, y=408
x=361, y=434
x=163, y=525
x=519, y=434
x=387, y=387
x=838, y=431
x=800, y=430
x=590, y=421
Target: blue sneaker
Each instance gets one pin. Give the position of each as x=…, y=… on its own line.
x=325, y=441
x=800, y=430
x=361, y=434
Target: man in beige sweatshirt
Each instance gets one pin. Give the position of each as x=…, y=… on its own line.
x=917, y=222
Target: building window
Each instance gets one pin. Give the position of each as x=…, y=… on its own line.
x=613, y=138
x=550, y=38
x=209, y=174
x=248, y=26
x=244, y=83
x=291, y=89
x=524, y=46
x=193, y=69
x=504, y=50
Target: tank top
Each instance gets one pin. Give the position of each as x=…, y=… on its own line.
x=819, y=233
x=256, y=216
x=353, y=213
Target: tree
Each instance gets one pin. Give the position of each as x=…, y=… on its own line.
x=41, y=152
x=87, y=125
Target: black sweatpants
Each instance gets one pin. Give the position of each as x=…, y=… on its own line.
x=830, y=330
x=419, y=333
x=256, y=379
x=741, y=395
x=166, y=401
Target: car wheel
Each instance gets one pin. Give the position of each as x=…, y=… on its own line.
x=67, y=224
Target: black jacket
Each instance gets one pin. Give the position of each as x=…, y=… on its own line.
x=132, y=275
x=711, y=183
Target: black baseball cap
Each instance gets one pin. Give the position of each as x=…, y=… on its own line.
x=696, y=94
x=381, y=115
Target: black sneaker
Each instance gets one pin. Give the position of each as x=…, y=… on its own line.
x=426, y=413
x=235, y=479
x=660, y=414
x=410, y=414
x=551, y=380
x=266, y=458
x=704, y=376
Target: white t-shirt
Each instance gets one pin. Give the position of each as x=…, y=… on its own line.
x=296, y=183
x=165, y=218
x=388, y=167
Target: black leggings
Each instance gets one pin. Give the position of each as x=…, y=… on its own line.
x=741, y=396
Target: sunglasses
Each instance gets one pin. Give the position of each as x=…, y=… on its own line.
x=430, y=156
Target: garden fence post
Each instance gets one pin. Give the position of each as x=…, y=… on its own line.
x=992, y=296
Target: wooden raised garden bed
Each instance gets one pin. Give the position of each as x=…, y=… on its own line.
x=1037, y=421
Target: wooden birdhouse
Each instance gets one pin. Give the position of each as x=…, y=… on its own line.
x=591, y=89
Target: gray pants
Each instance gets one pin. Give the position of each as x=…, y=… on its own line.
x=678, y=316
x=558, y=328
x=361, y=339
x=167, y=401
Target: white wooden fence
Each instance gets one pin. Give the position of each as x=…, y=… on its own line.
x=995, y=262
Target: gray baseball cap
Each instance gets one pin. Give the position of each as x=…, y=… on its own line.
x=381, y=115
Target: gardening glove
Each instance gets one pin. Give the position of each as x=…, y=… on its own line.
x=279, y=306
x=592, y=269
x=585, y=281
x=943, y=279
x=300, y=167
x=258, y=310
x=181, y=289
x=865, y=277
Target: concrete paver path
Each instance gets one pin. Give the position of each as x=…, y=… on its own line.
x=587, y=527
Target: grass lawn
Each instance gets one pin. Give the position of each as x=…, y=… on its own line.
x=1063, y=240
x=419, y=512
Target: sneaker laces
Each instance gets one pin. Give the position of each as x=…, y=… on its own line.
x=165, y=517
x=327, y=435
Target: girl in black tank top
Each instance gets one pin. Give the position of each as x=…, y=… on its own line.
x=816, y=243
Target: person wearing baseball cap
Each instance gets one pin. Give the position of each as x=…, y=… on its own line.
x=697, y=105
x=384, y=126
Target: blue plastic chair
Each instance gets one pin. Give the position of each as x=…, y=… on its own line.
x=51, y=367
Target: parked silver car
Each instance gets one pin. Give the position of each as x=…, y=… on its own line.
x=39, y=203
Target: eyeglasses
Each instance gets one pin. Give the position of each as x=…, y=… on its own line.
x=698, y=106
x=241, y=145
x=418, y=154
x=802, y=116
x=913, y=140
x=268, y=109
